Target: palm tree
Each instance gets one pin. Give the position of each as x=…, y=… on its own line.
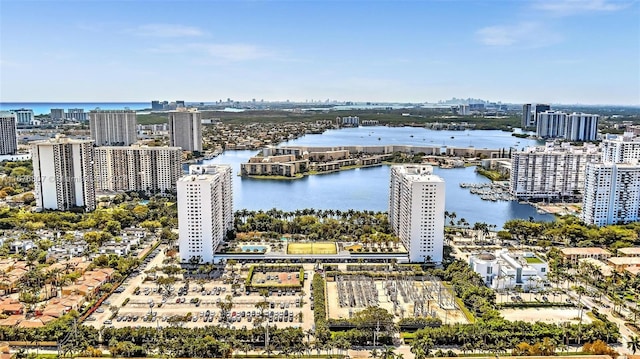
x=388, y=353
x=633, y=344
x=269, y=349
x=342, y=344
x=580, y=291
x=452, y=217
x=245, y=347
x=422, y=348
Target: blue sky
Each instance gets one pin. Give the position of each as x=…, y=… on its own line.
x=562, y=51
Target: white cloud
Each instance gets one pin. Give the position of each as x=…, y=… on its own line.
x=166, y=30
x=524, y=34
x=573, y=7
x=234, y=52
x=218, y=52
x=11, y=64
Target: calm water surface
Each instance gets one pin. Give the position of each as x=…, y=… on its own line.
x=368, y=188
x=44, y=108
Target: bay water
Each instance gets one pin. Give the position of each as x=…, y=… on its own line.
x=368, y=188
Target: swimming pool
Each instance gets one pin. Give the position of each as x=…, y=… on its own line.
x=258, y=249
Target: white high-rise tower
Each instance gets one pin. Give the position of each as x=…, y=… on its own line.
x=63, y=174
x=205, y=211
x=612, y=193
x=416, y=211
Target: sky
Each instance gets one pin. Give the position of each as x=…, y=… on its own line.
x=514, y=51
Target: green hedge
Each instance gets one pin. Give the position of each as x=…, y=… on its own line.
x=247, y=282
x=465, y=311
x=319, y=309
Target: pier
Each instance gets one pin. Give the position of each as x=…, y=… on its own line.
x=490, y=191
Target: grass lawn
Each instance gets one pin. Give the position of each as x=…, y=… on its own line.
x=533, y=260
x=312, y=248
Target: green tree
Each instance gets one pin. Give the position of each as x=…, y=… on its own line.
x=633, y=344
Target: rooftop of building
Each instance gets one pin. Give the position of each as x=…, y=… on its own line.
x=625, y=260
x=625, y=137
x=564, y=147
x=60, y=139
x=126, y=110
x=418, y=173
x=511, y=259
x=630, y=251
x=184, y=109
x=635, y=271
x=140, y=147
x=585, y=251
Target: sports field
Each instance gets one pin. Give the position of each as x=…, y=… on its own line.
x=312, y=248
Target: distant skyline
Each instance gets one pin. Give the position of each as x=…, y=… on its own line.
x=537, y=51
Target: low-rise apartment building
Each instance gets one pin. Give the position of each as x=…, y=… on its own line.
x=575, y=254
x=622, y=263
x=629, y=252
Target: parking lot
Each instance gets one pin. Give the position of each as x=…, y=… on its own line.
x=197, y=302
x=543, y=297
x=546, y=315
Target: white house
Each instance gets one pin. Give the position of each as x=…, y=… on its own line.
x=507, y=270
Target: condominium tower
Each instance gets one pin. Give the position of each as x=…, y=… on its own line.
x=76, y=114
x=539, y=108
x=63, y=174
x=620, y=148
x=416, y=211
x=612, y=193
x=528, y=120
x=154, y=170
x=551, y=124
x=185, y=130
x=57, y=114
x=205, y=211
x=24, y=116
x=550, y=171
x=113, y=127
x=572, y=127
x=581, y=127
x=8, y=137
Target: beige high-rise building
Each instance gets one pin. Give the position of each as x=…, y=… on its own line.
x=154, y=170
x=113, y=127
x=185, y=130
x=63, y=174
x=8, y=137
